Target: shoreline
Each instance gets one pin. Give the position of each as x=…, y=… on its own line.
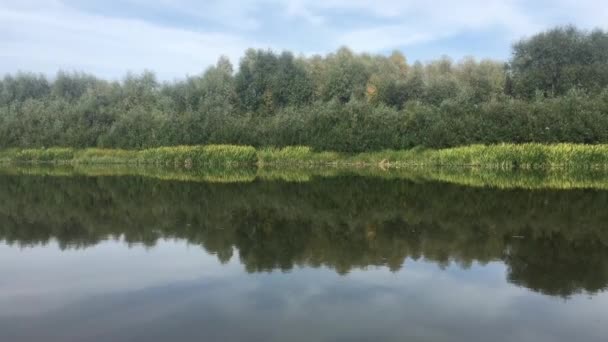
x=496, y=157
x=563, y=167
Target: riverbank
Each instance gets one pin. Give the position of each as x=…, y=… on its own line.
x=498, y=157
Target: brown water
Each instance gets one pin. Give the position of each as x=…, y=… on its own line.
x=331, y=259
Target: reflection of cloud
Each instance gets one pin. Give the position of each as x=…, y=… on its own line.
x=173, y=292
x=105, y=268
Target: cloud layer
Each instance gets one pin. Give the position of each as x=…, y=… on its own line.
x=180, y=37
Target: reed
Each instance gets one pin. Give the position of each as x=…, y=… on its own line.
x=511, y=156
x=298, y=155
x=499, y=157
x=43, y=155
x=183, y=156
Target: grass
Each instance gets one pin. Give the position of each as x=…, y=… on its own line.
x=55, y=154
x=181, y=156
x=522, y=156
x=497, y=157
x=197, y=156
x=298, y=155
x=529, y=166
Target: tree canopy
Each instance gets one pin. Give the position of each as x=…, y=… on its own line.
x=560, y=59
x=552, y=90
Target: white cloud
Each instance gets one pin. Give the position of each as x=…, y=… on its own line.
x=414, y=22
x=230, y=13
x=419, y=22
x=56, y=36
x=44, y=36
x=297, y=8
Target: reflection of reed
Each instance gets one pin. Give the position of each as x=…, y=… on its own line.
x=563, y=179
x=211, y=175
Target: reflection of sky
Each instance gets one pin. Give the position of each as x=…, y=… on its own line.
x=175, y=291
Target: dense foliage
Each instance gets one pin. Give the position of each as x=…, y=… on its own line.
x=552, y=90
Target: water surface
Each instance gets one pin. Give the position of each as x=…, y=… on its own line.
x=340, y=258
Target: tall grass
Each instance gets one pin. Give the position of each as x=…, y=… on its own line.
x=49, y=155
x=298, y=155
x=105, y=156
x=199, y=156
x=503, y=157
x=510, y=156
x=182, y=156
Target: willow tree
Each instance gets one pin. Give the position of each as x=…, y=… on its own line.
x=266, y=82
x=558, y=60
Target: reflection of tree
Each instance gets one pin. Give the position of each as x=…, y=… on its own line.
x=558, y=267
x=342, y=223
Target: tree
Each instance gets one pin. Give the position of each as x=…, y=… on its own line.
x=482, y=80
x=342, y=101
x=140, y=90
x=25, y=86
x=559, y=59
x=72, y=86
x=266, y=81
x=387, y=81
x=414, y=85
x=346, y=77
x=218, y=100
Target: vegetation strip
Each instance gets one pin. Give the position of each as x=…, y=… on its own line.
x=530, y=166
x=504, y=156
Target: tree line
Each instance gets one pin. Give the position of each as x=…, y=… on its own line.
x=553, y=89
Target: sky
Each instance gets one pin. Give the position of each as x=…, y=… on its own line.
x=175, y=38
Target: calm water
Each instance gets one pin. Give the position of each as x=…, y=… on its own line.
x=331, y=259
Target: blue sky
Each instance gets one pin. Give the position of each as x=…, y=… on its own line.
x=179, y=37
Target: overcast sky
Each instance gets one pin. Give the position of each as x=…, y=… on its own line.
x=179, y=37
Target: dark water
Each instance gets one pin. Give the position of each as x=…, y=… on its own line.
x=331, y=259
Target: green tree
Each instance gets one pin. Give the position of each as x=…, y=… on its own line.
x=559, y=59
x=72, y=86
x=387, y=82
x=346, y=77
x=24, y=86
x=266, y=81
